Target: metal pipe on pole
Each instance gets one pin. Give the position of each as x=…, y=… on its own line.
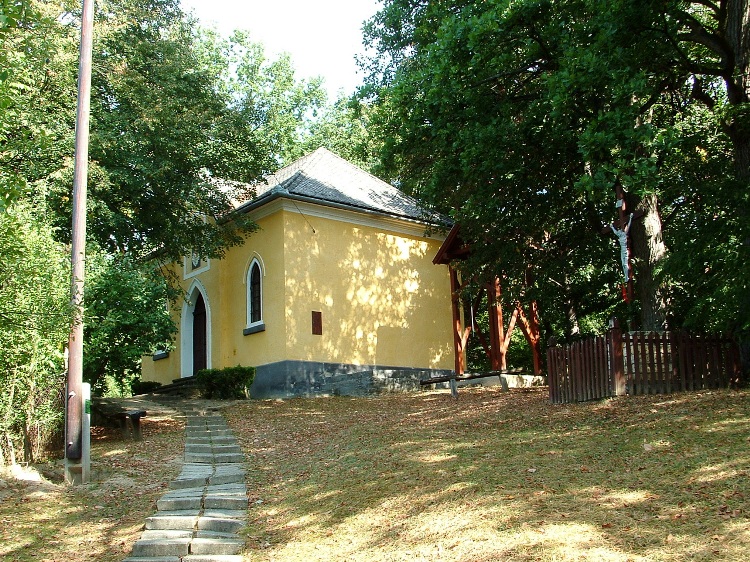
x=74, y=404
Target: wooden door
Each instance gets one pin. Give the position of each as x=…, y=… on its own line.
x=199, y=335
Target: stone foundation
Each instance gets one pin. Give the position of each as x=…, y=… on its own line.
x=289, y=379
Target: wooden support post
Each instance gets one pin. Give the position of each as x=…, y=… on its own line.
x=497, y=335
x=617, y=363
x=460, y=334
x=530, y=329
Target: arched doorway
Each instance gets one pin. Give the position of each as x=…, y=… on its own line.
x=195, y=331
x=199, y=334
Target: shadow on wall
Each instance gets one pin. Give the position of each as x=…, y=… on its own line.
x=379, y=294
x=385, y=309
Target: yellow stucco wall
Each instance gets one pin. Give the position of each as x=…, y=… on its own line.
x=382, y=300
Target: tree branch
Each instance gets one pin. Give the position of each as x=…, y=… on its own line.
x=710, y=5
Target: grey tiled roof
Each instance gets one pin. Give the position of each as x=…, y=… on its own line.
x=327, y=178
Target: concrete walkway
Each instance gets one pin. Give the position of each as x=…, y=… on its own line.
x=199, y=519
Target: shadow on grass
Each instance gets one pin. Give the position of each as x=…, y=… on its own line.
x=498, y=476
x=47, y=520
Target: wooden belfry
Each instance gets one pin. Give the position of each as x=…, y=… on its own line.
x=496, y=342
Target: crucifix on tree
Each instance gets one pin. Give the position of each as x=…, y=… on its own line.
x=621, y=228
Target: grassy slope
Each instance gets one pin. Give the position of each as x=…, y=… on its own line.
x=48, y=521
x=498, y=476
x=492, y=476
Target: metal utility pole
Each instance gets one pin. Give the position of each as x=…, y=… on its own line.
x=74, y=472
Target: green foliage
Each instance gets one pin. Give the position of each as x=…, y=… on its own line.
x=34, y=322
x=270, y=110
x=152, y=109
x=37, y=63
x=173, y=108
x=126, y=317
x=518, y=118
x=143, y=387
x=227, y=383
x=343, y=128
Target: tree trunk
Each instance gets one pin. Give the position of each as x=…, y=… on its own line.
x=571, y=313
x=647, y=250
x=737, y=35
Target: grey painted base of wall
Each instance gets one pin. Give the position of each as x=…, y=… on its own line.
x=288, y=379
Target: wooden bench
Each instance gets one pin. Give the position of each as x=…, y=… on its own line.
x=127, y=419
x=453, y=379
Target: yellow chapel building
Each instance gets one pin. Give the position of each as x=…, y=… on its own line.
x=335, y=293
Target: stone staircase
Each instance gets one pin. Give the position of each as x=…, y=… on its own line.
x=185, y=387
x=200, y=518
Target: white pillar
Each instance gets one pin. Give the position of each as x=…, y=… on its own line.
x=86, y=434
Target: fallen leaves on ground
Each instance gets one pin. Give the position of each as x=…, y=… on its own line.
x=497, y=476
x=44, y=519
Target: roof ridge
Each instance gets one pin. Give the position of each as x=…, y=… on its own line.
x=324, y=177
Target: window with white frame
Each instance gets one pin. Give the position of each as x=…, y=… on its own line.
x=254, y=298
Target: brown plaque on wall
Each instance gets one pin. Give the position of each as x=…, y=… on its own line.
x=317, y=323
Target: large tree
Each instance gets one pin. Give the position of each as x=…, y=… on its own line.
x=519, y=118
x=37, y=95
x=174, y=108
x=127, y=317
x=34, y=323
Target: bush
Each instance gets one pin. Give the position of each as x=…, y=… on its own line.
x=143, y=387
x=231, y=382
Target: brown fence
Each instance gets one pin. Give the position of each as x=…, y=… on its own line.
x=640, y=363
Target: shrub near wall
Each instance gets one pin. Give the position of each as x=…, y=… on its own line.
x=228, y=383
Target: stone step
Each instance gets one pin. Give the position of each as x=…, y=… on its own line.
x=207, y=458
x=207, y=448
x=220, y=525
x=229, y=457
x=199, y=518
x=190, y=482
x=213, y=558
x=218, y=439
x=200, y=439
x=201, y=416
x=210, y=458
x=230, y=467
x=215, y=546
x=196, y=469
x=229, y=487
x=194, y=492
x=223, y=502
x=208, y=432
x=164, y=547
x=227, y=478
x=226, y=513
x=167, y=534
x=219, y=449
x=198, y=447
x=214, y=535
x=178, y=522
x=171, y=504
x=238, y=493
x=154, y=559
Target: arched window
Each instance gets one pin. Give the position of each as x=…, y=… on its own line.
x=254, y=298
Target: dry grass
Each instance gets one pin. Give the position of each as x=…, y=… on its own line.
x=44, y=520
x=492, y=476
x=498, y=476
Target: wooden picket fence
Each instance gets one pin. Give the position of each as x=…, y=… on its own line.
x=640, y=363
